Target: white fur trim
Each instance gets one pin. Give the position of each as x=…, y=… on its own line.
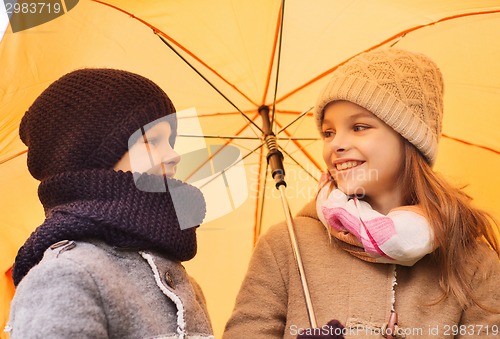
x=181, y=323
x=393, y=290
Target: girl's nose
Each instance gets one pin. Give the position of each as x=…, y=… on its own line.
x=339, y=143
x=171, y=157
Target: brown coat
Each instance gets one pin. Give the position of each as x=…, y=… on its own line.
x=271, y=304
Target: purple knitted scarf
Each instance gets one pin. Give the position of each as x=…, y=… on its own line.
x=106, y=205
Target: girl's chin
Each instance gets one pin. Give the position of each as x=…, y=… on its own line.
x=166, y=175
x=158, y=170
x=352, y=189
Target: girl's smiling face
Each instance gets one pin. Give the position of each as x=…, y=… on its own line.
x=363, y=154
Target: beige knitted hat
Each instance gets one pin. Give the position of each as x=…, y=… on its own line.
x=404, y=89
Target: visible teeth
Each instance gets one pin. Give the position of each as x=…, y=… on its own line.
x=347, y=164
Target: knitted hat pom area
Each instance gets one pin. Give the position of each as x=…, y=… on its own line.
x=402, y=88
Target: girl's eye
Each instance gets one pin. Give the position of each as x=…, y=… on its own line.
x=152, y=141
x=328, y=134
x=359, y=128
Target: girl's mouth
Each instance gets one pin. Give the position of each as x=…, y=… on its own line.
x=348, y=165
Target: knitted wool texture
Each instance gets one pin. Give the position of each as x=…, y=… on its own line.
x=76, y=131
x=402, y=88
x=84, y=120
x=106, y=205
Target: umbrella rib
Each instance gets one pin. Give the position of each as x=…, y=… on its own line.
x=298, y=139
x=208, y=82
x=226, y=114
x=298, y=164
x=210, y=115
x=470, y=143
x=3, y=161
x=395, y=36
x=311, y=159
x=295, y=120
x=278, y=61
x=258, y=227
x=271, y=62
x=227, y=143
x=158, y=31
x=237, y=137
x=218, y=137
x=257, y=196
x=232, y=165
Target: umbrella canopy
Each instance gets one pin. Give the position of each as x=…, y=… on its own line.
x=218, y=61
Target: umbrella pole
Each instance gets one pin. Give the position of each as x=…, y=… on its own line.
x=298, y=258
x=275, y=160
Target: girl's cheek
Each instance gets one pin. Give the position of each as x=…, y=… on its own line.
x=142, y=159
x=327, y=155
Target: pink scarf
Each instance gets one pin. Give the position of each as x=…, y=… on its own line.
x=402, y=237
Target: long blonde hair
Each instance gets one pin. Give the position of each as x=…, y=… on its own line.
x=459, y=227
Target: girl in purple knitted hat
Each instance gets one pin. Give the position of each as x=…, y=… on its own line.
x=106, y=262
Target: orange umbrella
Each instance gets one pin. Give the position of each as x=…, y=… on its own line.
x=236, y=47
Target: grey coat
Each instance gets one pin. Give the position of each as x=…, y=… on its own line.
x=92, y=290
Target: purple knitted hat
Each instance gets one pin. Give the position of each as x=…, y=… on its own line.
x=84, y=120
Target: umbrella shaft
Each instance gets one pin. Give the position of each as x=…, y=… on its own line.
x=298, y=258
x=275, y=160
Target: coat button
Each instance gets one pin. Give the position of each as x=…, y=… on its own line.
x=169, y=280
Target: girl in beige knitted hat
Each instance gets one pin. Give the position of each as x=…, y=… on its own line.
x=405, y=253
